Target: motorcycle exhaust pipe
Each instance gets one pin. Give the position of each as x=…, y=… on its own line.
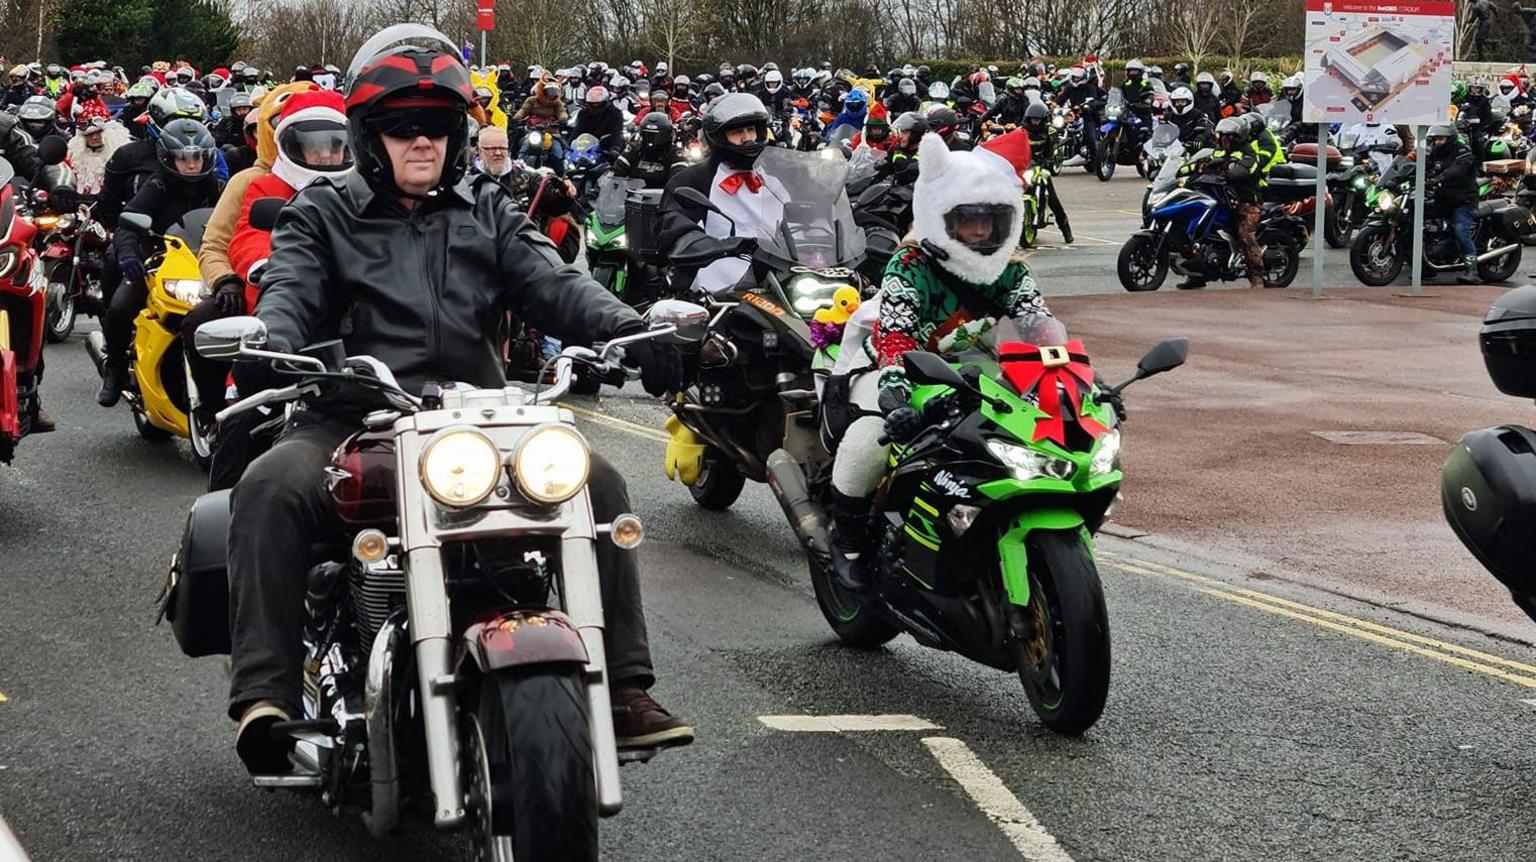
x=1482, y=258
x=806, y=517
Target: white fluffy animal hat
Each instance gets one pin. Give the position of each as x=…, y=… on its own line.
x=989, y=174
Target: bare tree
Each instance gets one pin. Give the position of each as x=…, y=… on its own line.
x=1193, y=29
x=1240, y=16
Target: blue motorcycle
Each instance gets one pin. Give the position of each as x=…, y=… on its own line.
x=1191, y=228
x=1122, y=133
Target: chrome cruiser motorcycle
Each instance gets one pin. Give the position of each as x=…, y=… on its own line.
x=454, y=645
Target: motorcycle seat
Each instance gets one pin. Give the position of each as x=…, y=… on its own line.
x=1293, y=174
x=1488, y=208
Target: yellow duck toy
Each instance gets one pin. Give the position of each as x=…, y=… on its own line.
x=844, y=303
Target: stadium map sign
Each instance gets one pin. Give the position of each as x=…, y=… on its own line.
x=1378, y=62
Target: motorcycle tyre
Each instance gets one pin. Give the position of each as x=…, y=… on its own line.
x=1491, y=273
x=61, y=318
x=852, y=617
x=1292, y=263
x=1123, y=269
x=1363, y=238
x=1105, y=169
x=1065, y=577
x=538, y=747
x=1029, y=233
x=1337, y=230
x=719, y=484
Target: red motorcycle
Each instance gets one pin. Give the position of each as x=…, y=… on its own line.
x=23, y=307
x=73, y=248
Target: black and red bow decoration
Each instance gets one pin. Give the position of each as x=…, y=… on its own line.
x=1053, y=369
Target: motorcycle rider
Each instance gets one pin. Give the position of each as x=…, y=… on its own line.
x=1512, y=93
x=493, y=156
x=601, y=119
x=1180, y=75
x=1195, y=129
x=1042, y=146
x=905, y=98
x=1208, y=98
x=1476, y=113
x=38, y=118
x=20, y=89
x=1246, y=160
x=187, y=179
x=331, y=254
x=1296, y=132
x=1451, y=185
x=853, y=114
x=652, y=157
x=736, y=130
x=1231, y=94
x=805, y=84
x=230, y=130
x=949, y=280
x=135, y=103
x=544, y=107
x=1258, y=93
x=877, y=130
x=54, y=81
x=1010, y=109
x=772, y=93
x=1137, y=89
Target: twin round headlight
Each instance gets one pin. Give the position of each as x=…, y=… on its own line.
x=461, y=467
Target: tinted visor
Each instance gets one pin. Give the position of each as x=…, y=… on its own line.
x=411, y=123
x=876, y=134
x=981, y=227
x=319, y=145
x=1180, y=104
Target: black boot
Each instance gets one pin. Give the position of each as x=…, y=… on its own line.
x=114, y=376
x=850, y=541
x=42, y=420
x=1469, y=275
x=1066, y=232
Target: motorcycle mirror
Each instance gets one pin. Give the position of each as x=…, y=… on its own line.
x=52, y=150
x=1166, y=356
x=695, y=198
x=263, y=215
x=223, y=338
x=138, y=222
x=923, y=367
x=691, y=321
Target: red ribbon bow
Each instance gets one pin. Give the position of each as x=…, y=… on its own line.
x=730, y=184
x=1053, y=370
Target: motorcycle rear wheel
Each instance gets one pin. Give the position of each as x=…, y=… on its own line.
x=1500, y=268
x=1373, y=259
x=528, y=759
x=852, y=618
x=1140, y=265
x=1064, y=668
x=1280, y=271
x=1337, y=229
x=719, y=483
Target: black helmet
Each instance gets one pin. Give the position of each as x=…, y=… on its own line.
x=182, y=141
x=713, y=91
x=736, y=111
x=746, y=72
x=655, y=133
x=37, y=116
x=943, y=120
x=399, y=88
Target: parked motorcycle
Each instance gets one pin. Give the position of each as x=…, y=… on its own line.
x=1385, y=244
x=606, y=242
x=983, y=522
x=23, y=310
x=161, y=393
x=751, y=377
x=455, y=656
x=1192, y=229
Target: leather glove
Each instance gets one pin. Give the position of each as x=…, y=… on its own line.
x=132, y=268
x=661, y=367
x=229, y=295
x=902, y=421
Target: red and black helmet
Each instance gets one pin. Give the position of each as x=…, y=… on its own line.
x=404, y=71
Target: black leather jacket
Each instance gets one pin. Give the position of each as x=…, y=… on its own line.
x=17, y=148
x=425, y=290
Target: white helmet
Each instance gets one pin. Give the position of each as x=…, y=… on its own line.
x=773, y=81
x=1292, y=83
x=1205, y=78
x=1258, y=77
x=1183, y=100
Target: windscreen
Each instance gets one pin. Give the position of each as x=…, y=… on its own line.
x=1168, y=175
x=1164, y=136
x=806, y=217
x=611, y=192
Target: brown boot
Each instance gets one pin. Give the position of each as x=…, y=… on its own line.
x=42, y=421
x=1256, y=281
x=640, y=722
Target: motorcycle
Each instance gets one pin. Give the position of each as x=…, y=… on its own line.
x=983, y=522
x=606, y=242
x=161, y=394
x=542, y=147
x=23, y=310
x=74, y=248
x=493, y=710
x=1385, y=244
x=1037, y=211
x=1121, y=135
x=1192, y=229
x=1157, y=149
x=582, y=159
x=751, y=378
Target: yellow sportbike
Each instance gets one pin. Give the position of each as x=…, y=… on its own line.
x=160, y=390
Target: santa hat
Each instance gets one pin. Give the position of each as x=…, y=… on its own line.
x=298, y=108
x=1012, y=148
x=946, y=180
x=878, y=116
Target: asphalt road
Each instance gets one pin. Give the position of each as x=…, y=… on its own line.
x=1246, y=721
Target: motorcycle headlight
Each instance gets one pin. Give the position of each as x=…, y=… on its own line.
x=1112, y=113
x=47, y=222
x=1026, y=463
x=551, y=464
x=8, y=260
x=188, y=290
x=1386, y=202
x=66, y=221
x=460, y=467
x=1059, y=122
x=533, y=139
x=621, y=241
x=1107, y=459
x=808, y=294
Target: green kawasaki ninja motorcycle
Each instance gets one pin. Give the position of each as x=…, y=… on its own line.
x=984, y=521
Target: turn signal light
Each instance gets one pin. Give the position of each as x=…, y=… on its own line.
x=627, y=532
x=370, y=547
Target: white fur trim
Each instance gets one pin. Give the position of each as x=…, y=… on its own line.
x=948, y=179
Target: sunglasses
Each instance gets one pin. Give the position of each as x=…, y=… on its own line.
x=421, y=122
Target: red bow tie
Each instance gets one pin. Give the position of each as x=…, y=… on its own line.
x=730, y=184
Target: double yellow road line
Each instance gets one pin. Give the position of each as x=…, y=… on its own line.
x=1509, y=670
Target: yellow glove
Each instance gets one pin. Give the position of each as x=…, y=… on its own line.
x=685, y=454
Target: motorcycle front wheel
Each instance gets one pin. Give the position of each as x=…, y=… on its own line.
x=1373, y=256
x=719, y=483
x=528, y=763
x=1106, y=156
x=1338, y=228
x=1064, y=664
x=1030, y=232
x=61, y=306
x=1142, y=265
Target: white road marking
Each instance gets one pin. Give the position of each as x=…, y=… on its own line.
x=10, y=849
x=1528, y=701
x=845, y=723
x=996, y=801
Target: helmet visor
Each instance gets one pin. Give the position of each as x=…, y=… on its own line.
x=411, y=123
x=983, y=228
x=319, y=145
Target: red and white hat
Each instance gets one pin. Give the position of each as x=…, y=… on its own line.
x=307, y=112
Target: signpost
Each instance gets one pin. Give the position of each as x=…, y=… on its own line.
x=485, y=22
x=1369, y=61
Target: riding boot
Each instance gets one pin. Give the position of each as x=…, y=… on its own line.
x=1066, y=231
x=114, y=376
x=1469, y=274
x=1191, y=283
x=850, y=541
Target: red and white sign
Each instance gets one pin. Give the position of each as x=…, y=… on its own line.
x=485, y=15
x=1374, y=61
